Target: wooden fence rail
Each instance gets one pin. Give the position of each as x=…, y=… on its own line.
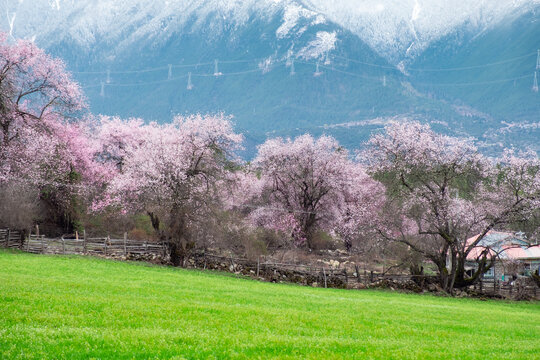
x=106, y=246
x=40, y=244
x=327, y=274
x=10, y=238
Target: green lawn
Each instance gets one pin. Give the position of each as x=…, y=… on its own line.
x=78, y=307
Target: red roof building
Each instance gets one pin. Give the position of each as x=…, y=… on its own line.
x=514, y=254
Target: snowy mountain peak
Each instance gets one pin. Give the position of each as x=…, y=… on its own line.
x=395, y=29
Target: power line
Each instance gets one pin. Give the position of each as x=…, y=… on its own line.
x=228, y=74
x=174, y=79
x=477, y=66
x=441, y=69
x=178, y=66
x=338, y=71
x=148, y=83
x=165, y=67
x=476, y=83
x=142, y=70
x=366, y=63
x=318, y=72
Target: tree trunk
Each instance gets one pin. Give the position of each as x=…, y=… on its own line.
x=453, y=271
x=462, y=281
x=180, y=250
x=155, y=222
x=181, y=243
x=176, y=258
x=443, y=273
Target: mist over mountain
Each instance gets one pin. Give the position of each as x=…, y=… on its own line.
x=284, y=67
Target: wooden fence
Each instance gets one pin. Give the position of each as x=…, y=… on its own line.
x=107, y=246
x=324, y=276
x=10, y=239
x=509, y=289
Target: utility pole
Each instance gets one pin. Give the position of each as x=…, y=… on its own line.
x=189, y=84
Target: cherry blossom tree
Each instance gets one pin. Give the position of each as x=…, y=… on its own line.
x=35, y=91
x=441, y=192
x=307, y=185
x=173, y=172
x=40, y=147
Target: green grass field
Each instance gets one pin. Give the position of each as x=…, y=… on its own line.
x=59, y=307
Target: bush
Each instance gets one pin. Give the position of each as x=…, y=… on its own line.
x=322, y=241
x=143, y=223
x=138, y=234
x=271, y=239
x=254, y=247
x=19, y=206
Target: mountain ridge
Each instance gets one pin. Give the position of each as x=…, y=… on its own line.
x=387, y=27
x=284, y=67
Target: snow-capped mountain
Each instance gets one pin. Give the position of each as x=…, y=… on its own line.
x=289, y=66
x=395, y=29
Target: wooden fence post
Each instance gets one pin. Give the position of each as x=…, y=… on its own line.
x=43, y=244
x=28, y=242
x=106, y=243
x=204, y=256
x=258, y=265
x=37, y=237
x=125, y=245
x=85, y=246
x=371, y=276
x=324, y=274
x=8, y=234
x=63, y=245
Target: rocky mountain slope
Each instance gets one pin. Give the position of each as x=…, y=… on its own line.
x=283, y=67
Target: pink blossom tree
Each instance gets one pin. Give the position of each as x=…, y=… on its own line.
x=35, y=91
x=308, y=185
x=39, y=146
x=173, y=172
x=441, y=192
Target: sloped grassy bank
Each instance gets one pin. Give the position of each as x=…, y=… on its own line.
x=78, y=307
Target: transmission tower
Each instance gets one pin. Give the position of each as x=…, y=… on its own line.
x=169, y=77
x=538, y=59
x=108, y=76
x=535, y=83
x=189, y=84
x=102, y=92
x=216, y=69
x=384, y=81
x=327, y=60
x=317, y=71
x=293, y=72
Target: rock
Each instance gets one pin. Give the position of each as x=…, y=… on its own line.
x=359, y=286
